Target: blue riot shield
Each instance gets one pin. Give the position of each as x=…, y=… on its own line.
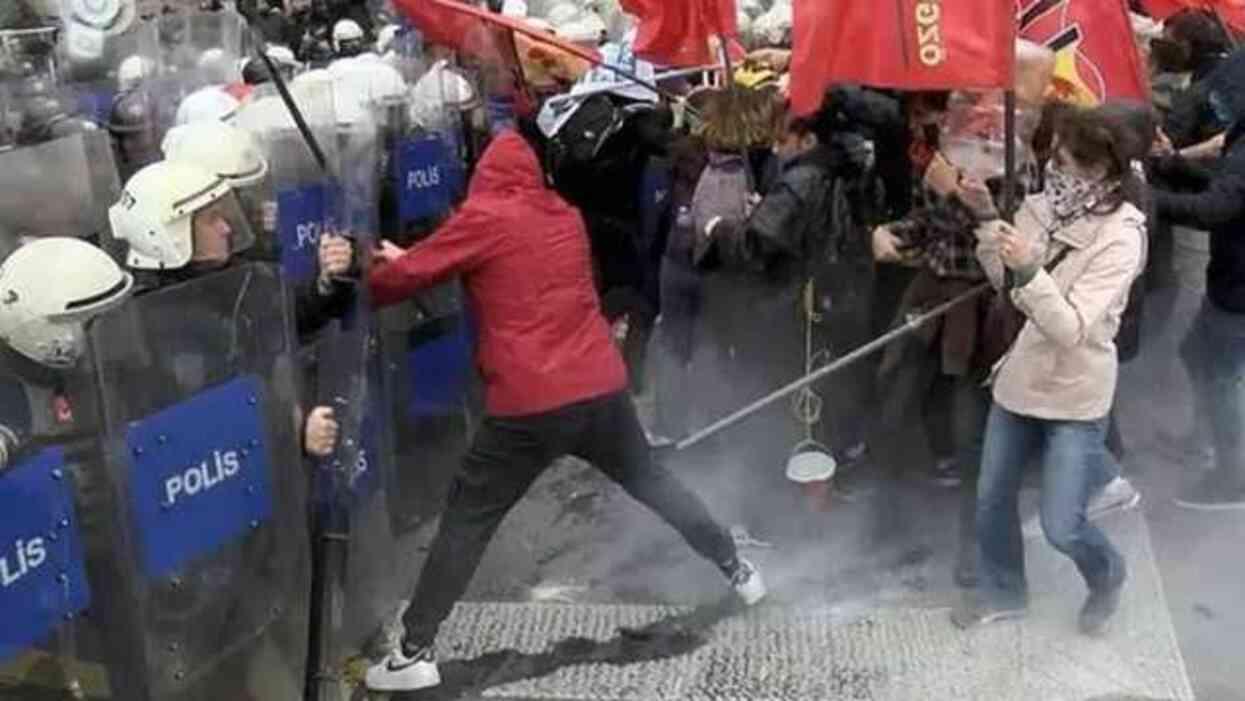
x=357, y=591
x=200, y=427
x=43, y=577
x=296, y=200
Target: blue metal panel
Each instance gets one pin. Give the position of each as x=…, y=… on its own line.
x=200, y=475
x=42, y=574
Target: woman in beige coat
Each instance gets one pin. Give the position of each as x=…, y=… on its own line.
x=1067, y=265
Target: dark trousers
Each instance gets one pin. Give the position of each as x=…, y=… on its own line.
x=507, y=456
x=682, y=301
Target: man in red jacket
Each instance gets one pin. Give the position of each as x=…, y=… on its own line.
x=556, y=385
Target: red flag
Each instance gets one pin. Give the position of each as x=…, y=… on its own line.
x=467, y=28
x=516, y=54
x=1232, y=12
x=906, y=44
x=678, y=32
x=1096, y=57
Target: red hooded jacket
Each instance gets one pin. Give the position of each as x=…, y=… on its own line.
x=524, y=258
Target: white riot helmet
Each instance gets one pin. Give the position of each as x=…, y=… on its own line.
x=360, y=86
x=223, y=149
x=133, y=71
x=440, y=96
x=514, y=8
x=218, y=66
x=207, y=104
x=283, y=56
x=43, y=321
x=347, y=38
x=385, y=38
x=563, y=13
x=173, y=214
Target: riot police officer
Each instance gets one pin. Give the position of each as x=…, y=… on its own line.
x=181, y=221
x=41, y=330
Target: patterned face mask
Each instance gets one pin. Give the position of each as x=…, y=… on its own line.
x=1069, y=194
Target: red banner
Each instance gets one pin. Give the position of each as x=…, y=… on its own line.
x=678, y=32
x=1096, y=57
x=1232, y=12
x=905, y=44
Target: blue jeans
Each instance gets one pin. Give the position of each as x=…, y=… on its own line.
x=1073, y=456
x=1214, y=354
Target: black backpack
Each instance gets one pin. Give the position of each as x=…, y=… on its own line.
x=583, y=136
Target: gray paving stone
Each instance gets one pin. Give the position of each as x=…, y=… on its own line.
x=886, y=653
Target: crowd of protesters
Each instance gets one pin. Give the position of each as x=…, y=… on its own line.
x=774, y=243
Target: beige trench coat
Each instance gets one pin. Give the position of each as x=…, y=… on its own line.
x=1063, y=365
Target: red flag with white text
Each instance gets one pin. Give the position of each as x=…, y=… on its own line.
x=904, y=44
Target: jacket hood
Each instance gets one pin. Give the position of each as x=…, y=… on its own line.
x=509, y=164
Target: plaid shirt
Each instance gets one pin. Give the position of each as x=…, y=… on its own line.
x=940, y=236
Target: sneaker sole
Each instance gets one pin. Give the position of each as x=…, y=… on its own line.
x=1132, y=503
x=431, y=681
x=1198, y=506
x=996, y=617
x=396, y=688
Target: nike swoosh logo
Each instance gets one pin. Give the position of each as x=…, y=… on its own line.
x=399, y=667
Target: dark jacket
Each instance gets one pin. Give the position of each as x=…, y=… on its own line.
x=756, y=268
x=788, y=229
x=524, y=258
x=1221, y=209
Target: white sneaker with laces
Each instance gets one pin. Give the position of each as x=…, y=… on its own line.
x=747, y=582
x=398, y=672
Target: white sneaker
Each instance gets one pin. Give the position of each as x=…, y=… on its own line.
x=747, y=582
x=397, y=672
x=1118, y=495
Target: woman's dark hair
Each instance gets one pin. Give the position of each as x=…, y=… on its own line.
x=1202, y=33
x=1100, y=136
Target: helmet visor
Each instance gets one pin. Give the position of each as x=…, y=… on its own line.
x=219, y=231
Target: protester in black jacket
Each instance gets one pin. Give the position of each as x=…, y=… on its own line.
x=756, y=299
x=1214, y=351
x=1193, y=42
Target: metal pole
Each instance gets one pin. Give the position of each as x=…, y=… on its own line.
x=1009, y=155
x=308, y=137
x=1009, y=168
x=873, y=346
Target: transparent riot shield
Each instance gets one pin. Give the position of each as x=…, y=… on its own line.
x=60, y=528
x=209, y=43
x=424, y=175
x=201, y=428
x=294, y=202
x=357, y=591
x=61, y=187
x=30, y=52
x=111, y=71
x=427, y=340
